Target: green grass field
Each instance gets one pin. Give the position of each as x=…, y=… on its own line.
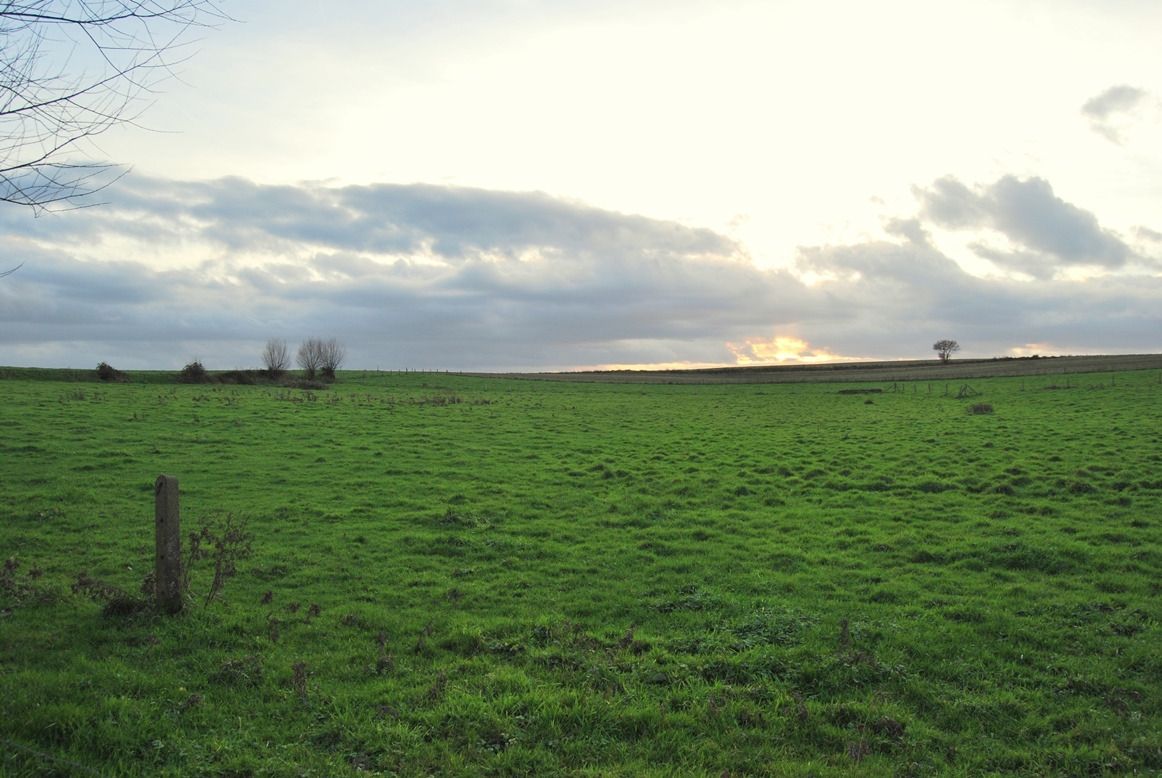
x=466, y=575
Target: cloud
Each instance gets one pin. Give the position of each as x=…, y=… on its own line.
x=888, y=299
x=1116, y=99
x=1112, y=110
x=1046, y=233
x=949, y=203
x=909, y=290
x=427, y=276
x=884, y=286
x=415, y=275
x=1147, y=234
x=446, y=224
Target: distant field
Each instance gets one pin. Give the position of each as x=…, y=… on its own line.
x=913, y=370
x=944, y=573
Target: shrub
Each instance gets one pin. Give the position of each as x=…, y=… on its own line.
x=106, y=372
x=193, y=373
x=979, y=408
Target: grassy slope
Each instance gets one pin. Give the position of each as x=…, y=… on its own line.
x=481, y=575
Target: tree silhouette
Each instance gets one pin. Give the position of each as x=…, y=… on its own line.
x=333, y=354
x=276, y=357
x=945, y=349
x=318, y=357
x=310, y=357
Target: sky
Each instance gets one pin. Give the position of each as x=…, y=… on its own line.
x=525, y=185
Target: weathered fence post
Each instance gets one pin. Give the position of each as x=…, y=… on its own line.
x=168, y=564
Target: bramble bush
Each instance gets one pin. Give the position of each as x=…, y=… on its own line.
x=106, y=372
x=193, y=373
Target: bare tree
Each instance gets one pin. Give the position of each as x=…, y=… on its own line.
x=333, y=354
x=69, y=71
x=945, y=349
x=318, y=357
x=276, y=357
x=310, y=357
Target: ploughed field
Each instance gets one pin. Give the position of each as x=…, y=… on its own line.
x=466, y=575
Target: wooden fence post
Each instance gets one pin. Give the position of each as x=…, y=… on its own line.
x=168, y=563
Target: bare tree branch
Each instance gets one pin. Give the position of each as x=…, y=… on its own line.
x=71, y=70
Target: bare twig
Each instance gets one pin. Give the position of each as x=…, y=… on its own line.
x=69, y=71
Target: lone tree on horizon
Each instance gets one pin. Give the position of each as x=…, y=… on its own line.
x=69, y=71
x=945, y=349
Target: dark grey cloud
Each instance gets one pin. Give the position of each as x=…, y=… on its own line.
x=1106, y=110
x=1029, y=213
x=454, y=223
x=462, y=221
x=1049, y=233
x=442, y=277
